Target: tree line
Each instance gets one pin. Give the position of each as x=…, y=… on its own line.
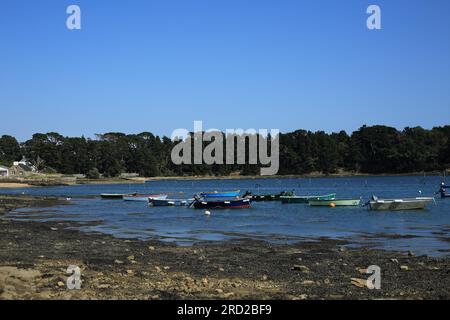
x=370, y=149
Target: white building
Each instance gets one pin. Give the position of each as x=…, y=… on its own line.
x=24, y=163
x=4, y=172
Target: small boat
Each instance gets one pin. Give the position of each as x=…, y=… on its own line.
x=115, y=195
x=335, y=202
x=443, y=191
x=144, y=197
x=219, y=194
x=222, y=204
x=170, y=202
x=272, y=197
x=306, y=199
x=419, y=203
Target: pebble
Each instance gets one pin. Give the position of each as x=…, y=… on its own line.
x=118, y=261
x=61, y=284
x=130, y=271
x=130, y=258
x=404, y=268
x=54, y=229
x=301, y=268
x=219, y=291
x=151, y=248
x=158, y=269
x=308, y=282
x=264, y=278
x=394, y=260
x=221, y=269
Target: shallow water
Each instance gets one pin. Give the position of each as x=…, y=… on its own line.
x=424, y=232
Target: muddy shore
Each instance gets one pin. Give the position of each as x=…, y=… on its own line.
x=34, y=258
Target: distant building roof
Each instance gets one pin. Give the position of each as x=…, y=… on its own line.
x=3, y=168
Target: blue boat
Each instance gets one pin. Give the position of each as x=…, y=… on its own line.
x=220, y=194
x=170, y=202
x=222, y=204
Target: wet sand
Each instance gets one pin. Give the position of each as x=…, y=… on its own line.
x=34, y=258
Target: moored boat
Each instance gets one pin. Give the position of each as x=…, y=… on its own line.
x=443, y=191
x=144, y=197
x=170, y=202
x=220, y=194
x=222, y=204
x=306, y=199
x=335, y=202
x=272, y=197
x=418, y=203
x=115, y=195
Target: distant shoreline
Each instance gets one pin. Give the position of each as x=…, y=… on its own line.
x=18, y=183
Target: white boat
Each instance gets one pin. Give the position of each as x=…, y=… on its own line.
x=146, y=197
x=418, y=203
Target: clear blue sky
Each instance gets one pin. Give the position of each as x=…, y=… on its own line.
x=159, y=65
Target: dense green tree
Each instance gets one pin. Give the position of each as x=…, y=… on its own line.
x=9, y=150
x=375, y=149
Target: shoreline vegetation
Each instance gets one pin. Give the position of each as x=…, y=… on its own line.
x=369, y=150
x=56, y=180
x=35, y=257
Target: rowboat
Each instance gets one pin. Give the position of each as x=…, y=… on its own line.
x=170, y=202
x=218, y=194
x=399, y=204
x=222, y=204
x=306, y=199
x=115, y=195
x=272, y=197
x=144, y=197
x=335, y=202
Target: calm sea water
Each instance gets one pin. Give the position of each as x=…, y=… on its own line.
x=424, y=232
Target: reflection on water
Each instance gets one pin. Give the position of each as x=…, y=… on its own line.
x=424, y=231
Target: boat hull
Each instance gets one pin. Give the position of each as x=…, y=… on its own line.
x=144, y=198
x=115, y=195
x=306, y=199
x=217, y=194
x=445, y=195
x=399, y=204
x=271, y=197
x=111, y=196
x=226, y=204
x=171, y=202
x=335, y=202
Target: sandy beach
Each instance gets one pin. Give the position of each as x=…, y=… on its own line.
x=7, y=185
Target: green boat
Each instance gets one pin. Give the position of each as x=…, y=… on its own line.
x=306, y=199
x=335, y=202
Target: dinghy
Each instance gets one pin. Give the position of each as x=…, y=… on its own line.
x=144, y=197
x=115, y=195
x=306, y=199
x=222, y=204
x=272, y=197
x=335, y=202
x=220, y=194
x=418, y=203
x=170, y=202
